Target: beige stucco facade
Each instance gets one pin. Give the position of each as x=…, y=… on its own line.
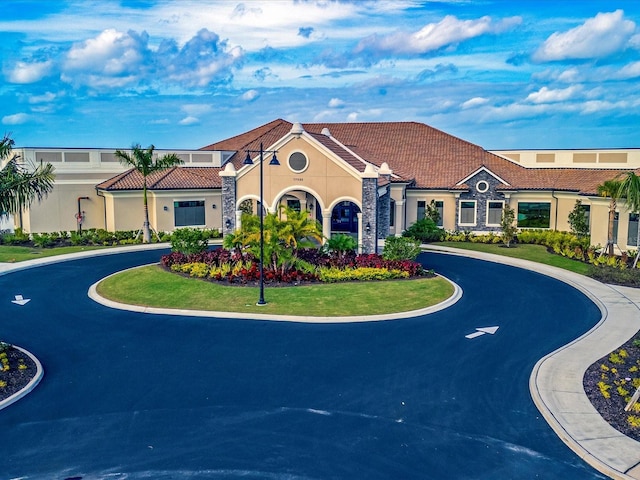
x=324, y=182
x=324, y=178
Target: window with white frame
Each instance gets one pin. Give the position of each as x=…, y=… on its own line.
x=587, y=213
x=467, y=214
x=422, y=209
x=189, y=213
x=534, y=214
x=440, y=210
x=632, y=235
x=494, y=213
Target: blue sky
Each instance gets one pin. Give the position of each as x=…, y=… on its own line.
x=184, y=74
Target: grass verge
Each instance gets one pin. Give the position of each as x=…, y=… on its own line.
x=13, y=254
x=535, y=253
x=141, y=286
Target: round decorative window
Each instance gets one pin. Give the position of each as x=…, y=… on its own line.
x=298, y=162
x=482, y=186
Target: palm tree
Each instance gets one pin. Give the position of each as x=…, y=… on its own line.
x=630, y=191
x=611, y=189
x=282, y=238
x=19, y=186
x=144, y=162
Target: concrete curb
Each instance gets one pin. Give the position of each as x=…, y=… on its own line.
x=556, y=381
x=29, y=386
x=93, y=294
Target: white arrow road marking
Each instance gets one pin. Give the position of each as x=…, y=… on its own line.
x=20, y=300
x=481, y=331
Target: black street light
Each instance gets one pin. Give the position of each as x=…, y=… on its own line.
x=274, y=161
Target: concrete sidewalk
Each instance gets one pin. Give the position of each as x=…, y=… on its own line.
x=556, y=380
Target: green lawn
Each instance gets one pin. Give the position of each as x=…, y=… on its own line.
x=153, y=286
x=535, y=253
x=13, y=254
x=141, y=287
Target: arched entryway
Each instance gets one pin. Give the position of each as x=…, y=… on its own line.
x=299, y=200
x=345, y=218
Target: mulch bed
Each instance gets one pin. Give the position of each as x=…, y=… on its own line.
x=612, y=409
x=15, y=377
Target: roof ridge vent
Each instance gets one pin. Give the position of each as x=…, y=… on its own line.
x=297, y=128
x=326, y=132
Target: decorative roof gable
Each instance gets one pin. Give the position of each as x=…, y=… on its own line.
x=482, y=169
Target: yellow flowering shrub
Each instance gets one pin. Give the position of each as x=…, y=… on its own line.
x=333, y=275
x=604, y=389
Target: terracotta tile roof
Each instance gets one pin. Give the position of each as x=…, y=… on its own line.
x=340, y=151
x=423, y=156
x=175, y=178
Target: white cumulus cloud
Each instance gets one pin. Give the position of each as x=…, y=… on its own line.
x=629, y=71
x=250, y=95
x=30, y=72
x=433, y=36
x=202, y=60
x=336, y=103
x=546, y=95
x=189, y=121
x=44, y=98
x=112, y=59
x=16, y=119
x=598, y=37
x=475, y=102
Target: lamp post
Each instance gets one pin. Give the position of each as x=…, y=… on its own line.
x=274, y=161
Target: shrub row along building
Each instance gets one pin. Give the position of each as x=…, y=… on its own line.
x=370, y=180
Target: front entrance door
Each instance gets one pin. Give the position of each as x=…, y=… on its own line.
x=344, y=218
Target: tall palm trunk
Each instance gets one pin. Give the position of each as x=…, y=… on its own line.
x=612, y=215
x=146, y=231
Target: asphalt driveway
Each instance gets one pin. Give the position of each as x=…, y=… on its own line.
x=137, y=396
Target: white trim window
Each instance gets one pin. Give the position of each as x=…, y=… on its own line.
x=494, y=212
x=189, y=213
x=467, y=213
x=440, y=209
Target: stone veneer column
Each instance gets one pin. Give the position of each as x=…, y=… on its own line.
x=369, y=210
x=384, y=203
x=228, y=199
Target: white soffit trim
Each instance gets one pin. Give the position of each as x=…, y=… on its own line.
x=482, y=169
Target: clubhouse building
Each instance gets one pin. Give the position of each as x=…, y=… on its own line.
x=369, y=180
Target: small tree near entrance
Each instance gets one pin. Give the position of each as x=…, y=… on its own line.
x=145, y=162
x=578, y=221
x=432, y=212
x=509, y=229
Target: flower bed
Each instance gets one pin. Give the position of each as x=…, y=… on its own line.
x=610, y=383
x=311, y=265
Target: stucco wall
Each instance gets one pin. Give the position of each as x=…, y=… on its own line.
x=57, y=211
x=323, y=178
x=125, y=209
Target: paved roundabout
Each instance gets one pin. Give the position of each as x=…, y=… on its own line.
x=129, y=395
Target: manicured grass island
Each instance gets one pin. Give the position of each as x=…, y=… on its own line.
x=153, y=286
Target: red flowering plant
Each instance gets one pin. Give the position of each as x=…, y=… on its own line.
x=292, y=254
